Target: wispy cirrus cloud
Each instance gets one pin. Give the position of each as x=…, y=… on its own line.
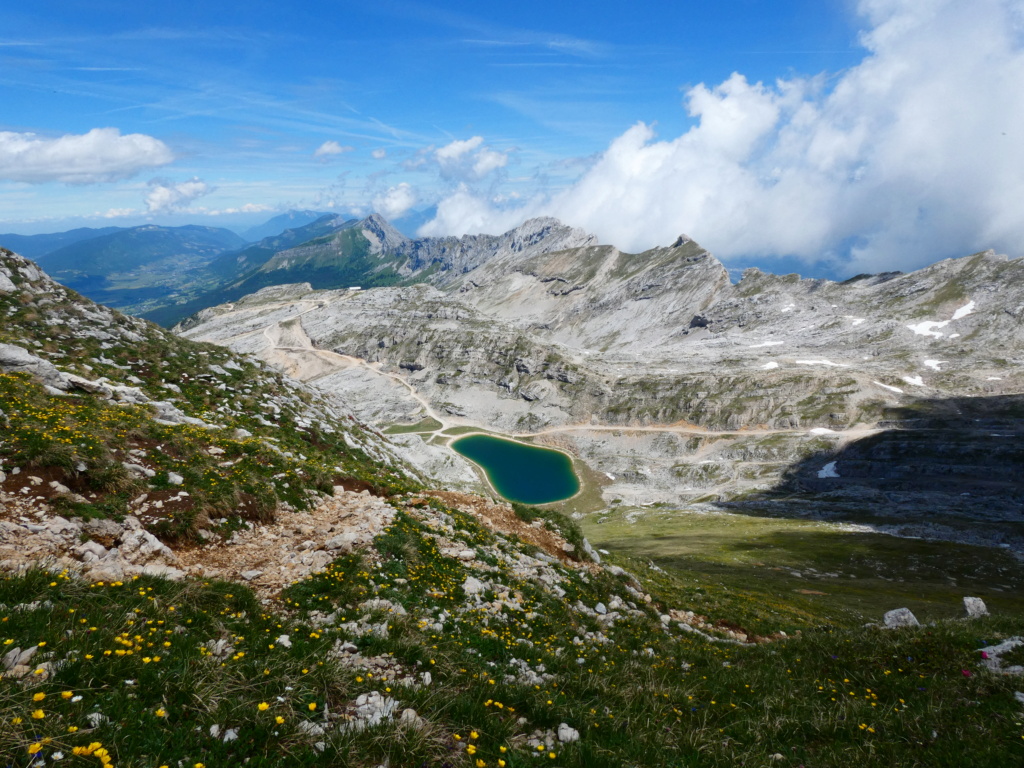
x=477, y=31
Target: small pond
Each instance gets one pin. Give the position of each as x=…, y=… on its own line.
x=520, y=472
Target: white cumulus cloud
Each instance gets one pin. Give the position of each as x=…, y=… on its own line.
x=331, y=148
x=468, y=160
x=102, y=154
x=167, y=197
x=465, y=212
x=379, y=154
x=914, y=154
x=118, y=213
x=396, y=201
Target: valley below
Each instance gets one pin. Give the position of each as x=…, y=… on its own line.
x=833, y=415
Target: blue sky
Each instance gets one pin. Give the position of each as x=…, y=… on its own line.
x=823, y=130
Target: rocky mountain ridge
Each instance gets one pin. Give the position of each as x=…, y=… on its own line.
x=659, y=373
x=369, y=252
x=197, y=544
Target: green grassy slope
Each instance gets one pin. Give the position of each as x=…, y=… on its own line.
x=258, y=438
x=505, y=671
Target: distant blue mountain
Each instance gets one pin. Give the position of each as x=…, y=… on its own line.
x=411, y=221
x=128, y=249
x=34, y=246
x=278, y=224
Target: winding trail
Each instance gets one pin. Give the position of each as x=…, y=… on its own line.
x=294, y=332
x=692, y=429
x=290, y=338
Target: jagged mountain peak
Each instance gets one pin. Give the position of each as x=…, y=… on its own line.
x=383, y=237
x=551, y=231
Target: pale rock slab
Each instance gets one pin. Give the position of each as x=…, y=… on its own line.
x=900, y=617
x=975, y=607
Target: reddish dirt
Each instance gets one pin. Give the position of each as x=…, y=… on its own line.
x=15, y=483
x=502, y=518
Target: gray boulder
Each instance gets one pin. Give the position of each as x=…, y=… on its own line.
x=472, y=586
x=975, y=607
x=901, y=617
x=15, y=359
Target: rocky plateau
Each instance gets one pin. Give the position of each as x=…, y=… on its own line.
x=892, y=398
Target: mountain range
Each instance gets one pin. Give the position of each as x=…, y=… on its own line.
x=678, y=386
x=544, y=330
x=34, y=246
x=167, y=273
x=273, y=556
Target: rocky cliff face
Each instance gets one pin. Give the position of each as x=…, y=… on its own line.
x=665, y=377
x=452, y=256
x=662, y=336
x=435, y=260
x=598, y=298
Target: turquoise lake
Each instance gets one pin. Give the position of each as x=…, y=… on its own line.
x=520, y=472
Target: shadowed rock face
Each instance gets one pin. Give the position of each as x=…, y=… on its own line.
x=948, y=453
x=942, y=468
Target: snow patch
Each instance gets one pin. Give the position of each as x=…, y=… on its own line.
x=822, y=362
x=915, y=381
x=822, y=431
x=964, y=311
x=934, y=364
x=609, y=475
x=829, y=470
x=766, y=344
x=897, y=390
x=789, y=307
x=858, y=320
x=929, y=327
x=994, y=378
x=769, y=366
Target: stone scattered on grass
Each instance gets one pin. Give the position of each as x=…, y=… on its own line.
x=991, y=657
x=567, y=734
x=975, y=607
x=900, y=617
